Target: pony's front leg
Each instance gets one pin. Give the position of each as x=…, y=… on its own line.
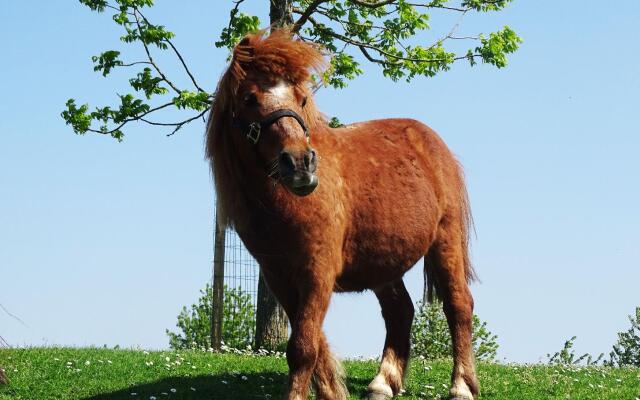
x=328, y=376
x=306, y=336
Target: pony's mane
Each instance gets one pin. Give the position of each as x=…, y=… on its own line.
x=273, y=57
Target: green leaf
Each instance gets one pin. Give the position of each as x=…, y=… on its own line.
x=106, y=61
x=494, y=49
x=77, y=117
x=130, y=107
x=147, y=83
x=485, y=5
x=148, y=34
x=342, y=67
x=95, y=5
x=198, y=101
x=240, y=25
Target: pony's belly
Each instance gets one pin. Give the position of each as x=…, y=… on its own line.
x=375, y=266
x=384, y=245
x=371, y=276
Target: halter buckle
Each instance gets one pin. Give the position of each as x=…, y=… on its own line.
x=253, y=135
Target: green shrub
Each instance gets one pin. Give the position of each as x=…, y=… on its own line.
x=568, y=356
x=626, y=352
x=238, y=323
x=430, y=337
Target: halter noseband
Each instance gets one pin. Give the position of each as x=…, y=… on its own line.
x=253, y=129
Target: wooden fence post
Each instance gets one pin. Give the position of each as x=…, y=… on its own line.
x=218, y=284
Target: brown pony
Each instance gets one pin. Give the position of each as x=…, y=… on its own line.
x=328, y=210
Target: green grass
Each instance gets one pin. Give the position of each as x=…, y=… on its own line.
x=100, y=374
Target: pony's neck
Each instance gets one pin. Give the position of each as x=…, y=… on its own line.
x=256, y=194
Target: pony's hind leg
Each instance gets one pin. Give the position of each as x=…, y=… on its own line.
x=397, y=311
x=448, y=265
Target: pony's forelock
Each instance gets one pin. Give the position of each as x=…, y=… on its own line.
x=277, y=56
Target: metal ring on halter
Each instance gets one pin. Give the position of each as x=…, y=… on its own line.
x=253, y=134
x=253, y=129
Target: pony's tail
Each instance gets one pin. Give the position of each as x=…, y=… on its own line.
x=466, y=227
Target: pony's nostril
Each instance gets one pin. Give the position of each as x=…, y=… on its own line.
x=287, y=161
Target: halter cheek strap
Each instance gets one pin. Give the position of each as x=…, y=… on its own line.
x=253, y=129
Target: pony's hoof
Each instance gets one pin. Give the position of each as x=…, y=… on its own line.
x=461, y=398
x=377, y=396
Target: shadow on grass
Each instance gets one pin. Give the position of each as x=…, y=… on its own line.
x=267, y=385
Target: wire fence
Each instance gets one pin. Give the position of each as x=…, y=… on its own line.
x=241, y=270
x=237, y=273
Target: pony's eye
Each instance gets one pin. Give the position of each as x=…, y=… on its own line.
x=250, y=99
x=304, y=101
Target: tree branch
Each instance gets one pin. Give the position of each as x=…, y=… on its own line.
x=369, y=57
x=362, y=45
x=233, y=13
x=306, y=14
x=117, y=9
x=373, y=4
x=377, y=30
x=134, y=63
x=363, y=49
x=323, y=11
x=126, y=121
x=179, y=125
x=13, y=316
x=441, y=7
x=155, y=66
x=175, y=50
x=193, y=80
x=452, y=31
x=378, y=4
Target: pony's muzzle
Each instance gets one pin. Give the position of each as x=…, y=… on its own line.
x=297, y=171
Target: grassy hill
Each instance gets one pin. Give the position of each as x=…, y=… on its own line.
x=100, y=374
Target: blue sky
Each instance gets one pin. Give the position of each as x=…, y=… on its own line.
x=103, y=242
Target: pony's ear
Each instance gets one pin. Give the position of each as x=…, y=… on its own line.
x=243, y=52
x=242, y=57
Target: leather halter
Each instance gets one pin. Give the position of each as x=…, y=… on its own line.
x=253, y=129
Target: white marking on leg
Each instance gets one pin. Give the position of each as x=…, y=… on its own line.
x=390, y=369
x=341, y=391
x=459, y=388
x=379, y=385
x=336, y=383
